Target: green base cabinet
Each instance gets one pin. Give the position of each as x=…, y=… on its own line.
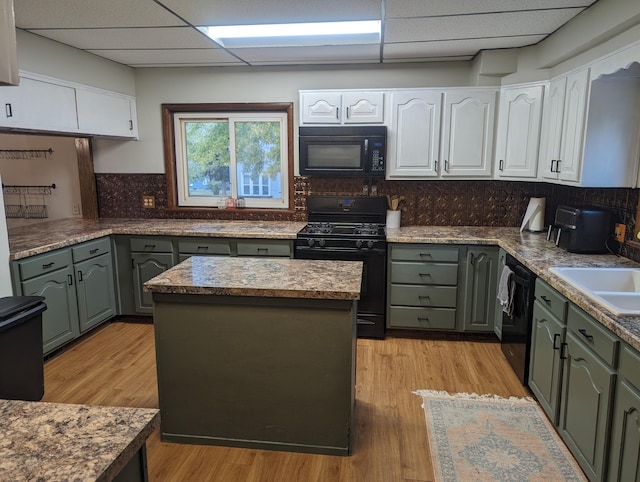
x=78, y=286
x=149, y=257
x=587, y=392
x=624, y=460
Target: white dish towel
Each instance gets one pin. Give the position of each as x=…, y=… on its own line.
x=506, y=288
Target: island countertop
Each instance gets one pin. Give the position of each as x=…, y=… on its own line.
x=62, y=442
x=261, y=277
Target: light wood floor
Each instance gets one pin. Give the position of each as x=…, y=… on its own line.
x=116, y=366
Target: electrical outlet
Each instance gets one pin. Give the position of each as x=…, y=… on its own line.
x=76, y=209
x=620, y=232
x=148, y=202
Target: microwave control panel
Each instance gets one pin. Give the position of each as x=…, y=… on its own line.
x=377, y=156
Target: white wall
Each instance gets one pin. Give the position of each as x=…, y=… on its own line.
x=61, y=168
x=46, y=57
x=5, y=278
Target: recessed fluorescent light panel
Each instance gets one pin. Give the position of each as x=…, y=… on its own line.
x=295, y=34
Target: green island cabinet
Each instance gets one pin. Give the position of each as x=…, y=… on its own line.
x=441, y=287
x=574, y=365
x=78, y=286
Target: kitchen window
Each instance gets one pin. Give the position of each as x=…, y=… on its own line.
x=216, y=151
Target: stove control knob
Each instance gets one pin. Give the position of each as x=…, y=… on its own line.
x=321, y=242
x=311, y=241
x=359, y=243
x=369, y=244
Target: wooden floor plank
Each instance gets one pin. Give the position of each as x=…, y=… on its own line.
x=116, y=366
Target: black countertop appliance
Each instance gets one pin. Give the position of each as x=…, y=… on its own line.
x=582, y=229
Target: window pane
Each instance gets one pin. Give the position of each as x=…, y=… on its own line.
x=208, y=160
x=258, y=154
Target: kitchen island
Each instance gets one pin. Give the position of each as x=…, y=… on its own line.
x=62, y=442
x=257, y=353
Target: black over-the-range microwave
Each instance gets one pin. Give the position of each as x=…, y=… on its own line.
x=343, y=151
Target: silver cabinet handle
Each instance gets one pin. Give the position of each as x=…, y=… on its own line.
x=337, y=112
x=446, y=166
x=8, y=111
x=501, y=165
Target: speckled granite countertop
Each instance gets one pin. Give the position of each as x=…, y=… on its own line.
x=263, y=277
x=62, y=442
x=39, y=238
x=537, y=254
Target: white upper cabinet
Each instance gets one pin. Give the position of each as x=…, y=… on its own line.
x=550, y=144
x=349, y=107
x=518, y=131
x=413, y=141
x=39, y=105
x=42, y=103
x=467, y=133
x=575, y=106
x=106, y=113
x=8, y=45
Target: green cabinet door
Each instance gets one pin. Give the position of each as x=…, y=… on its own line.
x=587, y=386
x=478, y=308
x=60, y=319
x=145, y=267
x=497, y=321
x=545, y=369
x=95, y=290
x=624, y=463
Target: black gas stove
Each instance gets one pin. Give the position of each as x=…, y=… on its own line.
x=351, y=228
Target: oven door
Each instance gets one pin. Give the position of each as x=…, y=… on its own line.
x=371, y=305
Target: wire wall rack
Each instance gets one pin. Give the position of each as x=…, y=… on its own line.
x=26, y=153
x=22, y=201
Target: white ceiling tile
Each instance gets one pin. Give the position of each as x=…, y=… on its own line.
x=454, y=47
x=246, y=12
x=92, y=13
x=426, y=8
x=476, y=26
x=324, y=54
x=176, y=57
x=131, y=38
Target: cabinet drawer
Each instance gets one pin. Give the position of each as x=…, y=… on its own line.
x=551, y=300
x=428, y=318
x=628, y=365
x=426, y=252
x=90, y=249
x=44, y=263
x=151, y=245
x=264, y=248
x=204, y=246
x=424, y=273
x=440, y=296
x=599, y=339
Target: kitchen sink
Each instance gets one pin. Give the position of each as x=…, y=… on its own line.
x=617, y=289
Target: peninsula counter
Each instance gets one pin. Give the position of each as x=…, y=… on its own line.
x=257, y=353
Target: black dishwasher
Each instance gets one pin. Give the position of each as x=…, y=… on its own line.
x=516, y=329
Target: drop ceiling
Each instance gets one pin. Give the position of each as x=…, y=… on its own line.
x=163, y=33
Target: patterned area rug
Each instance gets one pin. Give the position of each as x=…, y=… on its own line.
x=489, y=438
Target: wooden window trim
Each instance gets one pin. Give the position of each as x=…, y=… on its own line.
x=168, y=140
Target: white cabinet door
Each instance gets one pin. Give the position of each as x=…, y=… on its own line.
x=573, y=124
x=552, y=138
x=8, y=45
x=518, y=137
x=39, y=105
x=414, y=135
x=467, y=137
x=363, y=107
x=321, y=108
x=105, y=113
x=349, y=107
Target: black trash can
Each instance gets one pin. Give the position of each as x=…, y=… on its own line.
x=21, y=363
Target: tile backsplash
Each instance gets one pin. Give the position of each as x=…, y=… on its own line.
x=436, y=203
